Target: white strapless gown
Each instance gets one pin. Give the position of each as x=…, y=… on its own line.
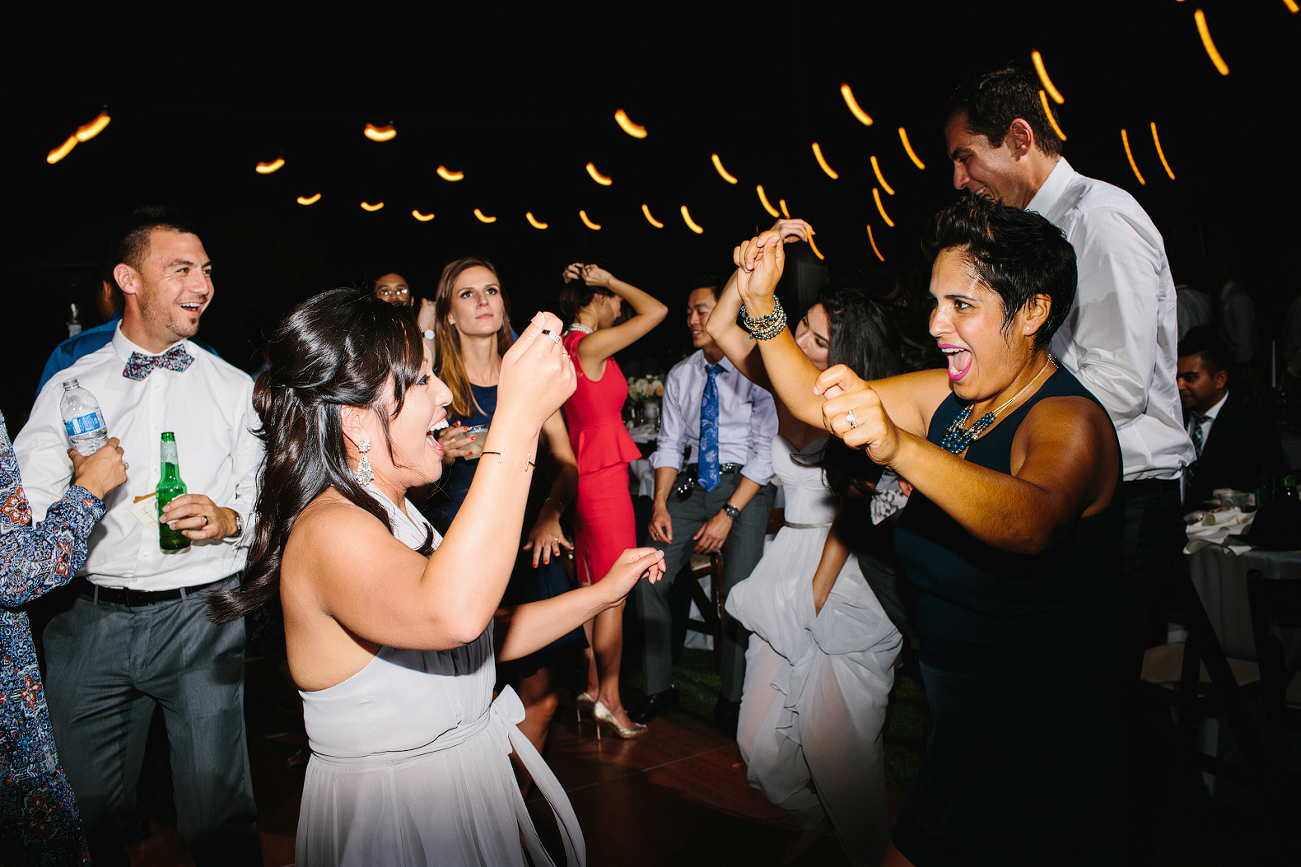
x=410, y=760
x=815, y=686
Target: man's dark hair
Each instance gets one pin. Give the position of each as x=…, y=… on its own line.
x=1202, y=341
x=712, y=282
x=1017, y=254
x=998, y=97
x=133, y=240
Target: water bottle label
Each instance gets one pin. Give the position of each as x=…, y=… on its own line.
x=88, y=423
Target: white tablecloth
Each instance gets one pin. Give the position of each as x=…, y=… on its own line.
x=1220, y=577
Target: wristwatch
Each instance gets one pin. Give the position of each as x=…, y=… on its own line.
x=239, y=523
x=731, y=511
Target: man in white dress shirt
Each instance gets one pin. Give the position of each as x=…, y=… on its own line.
x=1120, y=337
x=721, y=500
x=137, y=636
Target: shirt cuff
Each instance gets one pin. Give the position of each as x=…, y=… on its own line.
x=660, y=459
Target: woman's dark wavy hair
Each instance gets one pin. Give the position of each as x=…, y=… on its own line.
x=861, y=312
x=341, y=348
x=1017, y=254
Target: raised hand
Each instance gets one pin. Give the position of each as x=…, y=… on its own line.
x=793, y=230
x=537, y=375
x=759, y=263
x=426, y=318
x=592, y=275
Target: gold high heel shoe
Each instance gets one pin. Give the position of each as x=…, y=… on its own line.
x=602, y=715
x=584, y=702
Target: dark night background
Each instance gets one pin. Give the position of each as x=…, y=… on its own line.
x=521, y=103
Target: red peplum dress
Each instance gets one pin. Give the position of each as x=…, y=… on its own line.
x=604, y=525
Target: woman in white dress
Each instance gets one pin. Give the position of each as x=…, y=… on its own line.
x=392, y=648
x=820, y=663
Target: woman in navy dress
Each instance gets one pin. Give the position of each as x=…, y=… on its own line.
x=472, y=332
x=1011, y=537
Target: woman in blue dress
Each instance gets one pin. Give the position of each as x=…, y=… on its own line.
x=38, y=813
x=472, y=333
x=1011, y=538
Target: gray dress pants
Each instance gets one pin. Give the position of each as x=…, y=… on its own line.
x=741, y=553
x=109, y=665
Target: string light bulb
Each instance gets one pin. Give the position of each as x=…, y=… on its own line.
x=621, y=118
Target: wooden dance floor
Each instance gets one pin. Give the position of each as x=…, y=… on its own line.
x=677, y=795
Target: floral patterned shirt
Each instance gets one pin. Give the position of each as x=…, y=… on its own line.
x=38, y=813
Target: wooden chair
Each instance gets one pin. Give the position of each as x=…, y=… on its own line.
x=711, y=606
x=1277, y=603
x=1200, y=682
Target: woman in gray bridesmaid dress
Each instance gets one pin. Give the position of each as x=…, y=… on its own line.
x=390, y=629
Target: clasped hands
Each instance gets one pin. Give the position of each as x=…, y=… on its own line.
x=851, y=410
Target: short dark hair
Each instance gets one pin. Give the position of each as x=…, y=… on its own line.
x=996, y=98
x=1203, y=341
x=1017, y=254
x=133, y=239
x=712, y=283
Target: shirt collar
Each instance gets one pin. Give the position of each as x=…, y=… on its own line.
x=1053, y=187
x=1215, y=410
x=703, y=363
x=123, y=346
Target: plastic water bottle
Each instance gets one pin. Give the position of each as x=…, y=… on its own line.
x=82, y=419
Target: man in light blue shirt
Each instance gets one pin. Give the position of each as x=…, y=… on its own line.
x=719, y=499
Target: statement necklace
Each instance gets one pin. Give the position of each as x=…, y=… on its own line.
x=580, y=328
x=956, y=439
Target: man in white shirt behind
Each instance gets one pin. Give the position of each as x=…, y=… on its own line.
x=696, y=513
x=1121, y=335
x=137, y=634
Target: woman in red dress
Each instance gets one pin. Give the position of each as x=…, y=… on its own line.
x=604, y=526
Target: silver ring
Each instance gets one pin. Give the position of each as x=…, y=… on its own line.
x=125, y=465
x=849, y=417
x=555, y=338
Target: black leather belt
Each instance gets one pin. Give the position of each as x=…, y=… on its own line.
x=687, y=477
x=1149, y=487
x=142, y=598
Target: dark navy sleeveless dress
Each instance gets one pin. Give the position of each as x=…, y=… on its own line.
x=527, y=584
x=1017, y=652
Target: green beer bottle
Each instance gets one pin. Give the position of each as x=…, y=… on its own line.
x=169, y=488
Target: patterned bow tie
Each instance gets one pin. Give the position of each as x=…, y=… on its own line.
x=139, y=365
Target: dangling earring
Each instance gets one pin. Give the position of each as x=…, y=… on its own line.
x=363, y=473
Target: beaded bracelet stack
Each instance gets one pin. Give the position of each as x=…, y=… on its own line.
x=765, y=327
